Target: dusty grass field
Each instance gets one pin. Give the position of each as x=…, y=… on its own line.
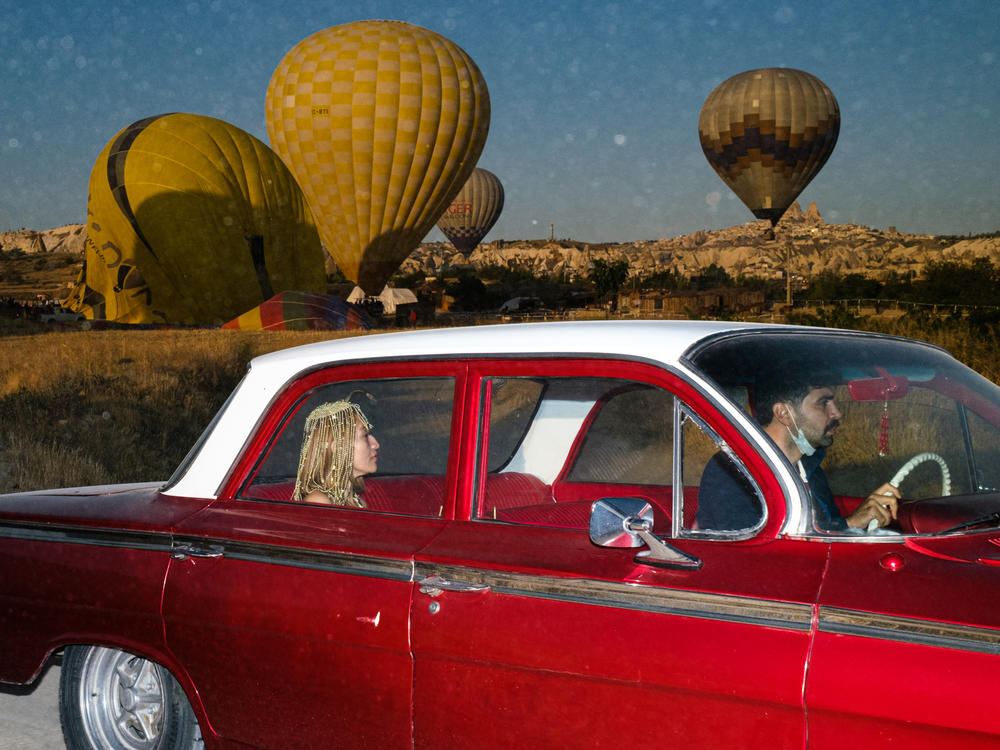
x=89, y=407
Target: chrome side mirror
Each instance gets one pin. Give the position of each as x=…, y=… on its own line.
x=628, y=522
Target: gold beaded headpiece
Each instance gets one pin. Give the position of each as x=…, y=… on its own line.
x=326, y=462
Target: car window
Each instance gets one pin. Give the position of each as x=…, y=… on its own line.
x=876, y=438
x=907, y=414
x=512, y=405
x=985, y=446
x=550, y=447
x=630, y=440
x=411, y=420
x=720, y=498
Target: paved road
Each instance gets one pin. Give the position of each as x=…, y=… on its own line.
x=30, y=720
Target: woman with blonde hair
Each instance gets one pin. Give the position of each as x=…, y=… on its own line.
x=338, y=449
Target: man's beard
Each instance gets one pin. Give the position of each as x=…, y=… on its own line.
x=825, y=440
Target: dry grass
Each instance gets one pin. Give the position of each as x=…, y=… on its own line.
x=116, y=406
x=978, y=348
x=42, y=273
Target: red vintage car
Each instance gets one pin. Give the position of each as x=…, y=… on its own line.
x=699, y=534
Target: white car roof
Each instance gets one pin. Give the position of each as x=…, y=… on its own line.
x=659, y=341
x=613, y=337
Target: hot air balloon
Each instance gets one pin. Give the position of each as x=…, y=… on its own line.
x=767, y=133
x=301, y=311
x=191, y=220
x=381, y=122
x=474, y=211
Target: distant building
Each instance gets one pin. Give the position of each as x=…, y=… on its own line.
x=708, y=302
x=395, y=303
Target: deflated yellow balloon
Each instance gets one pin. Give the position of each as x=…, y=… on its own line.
x=191, y=220
x=381, y=122
x=474, y=211
x=767, y=133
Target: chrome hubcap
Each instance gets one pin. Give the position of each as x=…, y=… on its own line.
x=122, y=700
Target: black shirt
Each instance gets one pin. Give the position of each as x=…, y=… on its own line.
x=727, y=500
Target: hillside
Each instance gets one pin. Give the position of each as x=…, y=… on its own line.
x=742, y=250
x=43, y=264
x=66, y=239
x=47, y=262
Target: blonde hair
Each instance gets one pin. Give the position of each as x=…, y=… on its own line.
x=326, y=463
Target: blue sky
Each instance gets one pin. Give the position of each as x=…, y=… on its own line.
x=594, y=104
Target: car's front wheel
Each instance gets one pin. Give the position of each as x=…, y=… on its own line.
x=113, y=700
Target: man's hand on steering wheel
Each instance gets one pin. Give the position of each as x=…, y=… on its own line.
x=880, y=506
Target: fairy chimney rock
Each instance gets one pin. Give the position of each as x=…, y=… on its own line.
x=794, y=213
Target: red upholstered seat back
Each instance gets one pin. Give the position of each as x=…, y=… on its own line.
x=572, y=515
x=415, y=495
x=511, y=489
x=412, y=495
x=279, y=491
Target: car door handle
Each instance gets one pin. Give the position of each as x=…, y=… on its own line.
x=435, y=585
x=184, y=550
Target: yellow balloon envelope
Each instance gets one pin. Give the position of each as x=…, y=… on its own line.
x=474, y=211
x=381, y=122
x=767, y=133
x=191, y=220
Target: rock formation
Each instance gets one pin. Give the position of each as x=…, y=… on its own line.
x=67, y=239
x=814, y=246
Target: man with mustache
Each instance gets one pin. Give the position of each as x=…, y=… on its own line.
x=798, y=412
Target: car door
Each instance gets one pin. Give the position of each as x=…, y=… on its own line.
x=525, y=633
x=292, y=619
x=899, y=658
x=907, y=649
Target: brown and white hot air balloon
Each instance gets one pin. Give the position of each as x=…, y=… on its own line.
x=767, y=133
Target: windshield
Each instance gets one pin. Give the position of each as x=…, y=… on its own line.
x=902, y=412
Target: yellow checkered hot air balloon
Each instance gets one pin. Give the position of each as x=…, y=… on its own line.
x=381, y=122
x=767, y=133
x=191, y=220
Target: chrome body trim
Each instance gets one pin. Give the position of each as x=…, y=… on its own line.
x=838, y=621
x=748, y=610
x=94, y=536
x=161, y=541
x=297, y=557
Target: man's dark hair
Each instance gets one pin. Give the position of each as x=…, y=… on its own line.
x=790, y=384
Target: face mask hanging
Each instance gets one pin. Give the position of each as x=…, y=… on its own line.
x=800, y=440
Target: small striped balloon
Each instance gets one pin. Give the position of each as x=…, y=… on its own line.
x=301, y=311
x=474, y=211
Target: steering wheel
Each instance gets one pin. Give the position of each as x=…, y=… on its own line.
x=906, y=468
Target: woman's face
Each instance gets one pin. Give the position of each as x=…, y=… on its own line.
x=365, y=450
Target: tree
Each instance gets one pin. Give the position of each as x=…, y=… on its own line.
x=828, y=285
x=608, y=278
x=711, y=278
x=666, y=280
x=951, y=282
x=470, y=294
